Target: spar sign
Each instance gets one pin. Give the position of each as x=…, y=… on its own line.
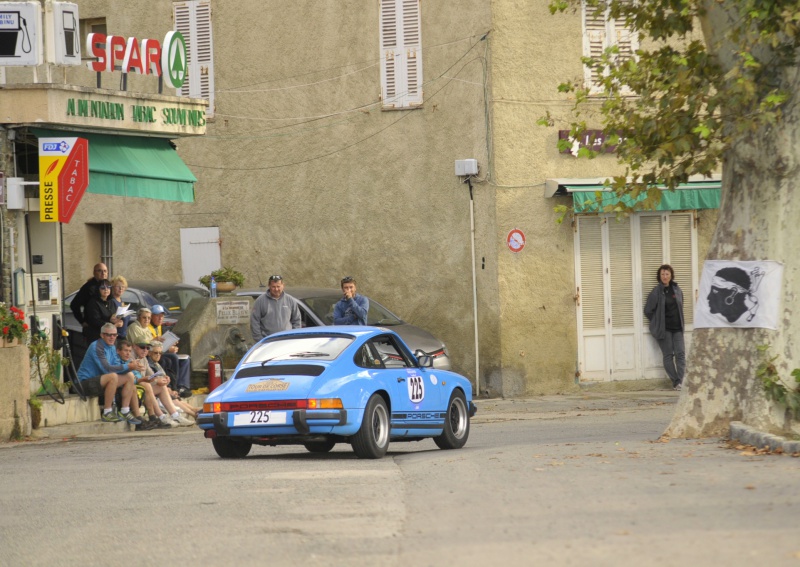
x=63, y=177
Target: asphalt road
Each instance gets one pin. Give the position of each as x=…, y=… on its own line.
x=570, y=481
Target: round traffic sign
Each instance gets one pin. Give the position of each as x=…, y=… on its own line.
x=516, y=240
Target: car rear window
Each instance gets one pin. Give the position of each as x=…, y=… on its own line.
x=303, y=347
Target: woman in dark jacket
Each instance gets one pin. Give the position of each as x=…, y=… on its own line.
x=664, y=309
x=99, y=310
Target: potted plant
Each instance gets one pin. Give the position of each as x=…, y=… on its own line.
x=36, y=412
x=224, y=276
x=45, y=365
x=12, y=325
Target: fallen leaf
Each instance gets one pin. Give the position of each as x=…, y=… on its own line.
x=750, y=487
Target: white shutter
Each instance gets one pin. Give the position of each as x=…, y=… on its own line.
x=680, y=258
x=401, y=53
x=619, y=244
x=193, y=20
x=651, y=249
x=591, y=277
x=594, y=41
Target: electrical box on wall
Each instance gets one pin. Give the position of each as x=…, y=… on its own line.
x=466, y=167
x=15, y=193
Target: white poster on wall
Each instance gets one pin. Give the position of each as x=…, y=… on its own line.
x=744, y=294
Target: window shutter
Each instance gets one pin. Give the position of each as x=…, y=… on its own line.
x=652, y=250
x=680, y=258
x=401, y=54
x=591, y=281
x=594, y=41
x=193, y=20
x=619, y=245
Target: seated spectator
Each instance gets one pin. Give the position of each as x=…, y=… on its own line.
x=156, y=386
x=118, y=286
x=154, y=358
x=139, y=331
x=125, y=353
x=175, y=364
x=99, y=311
x=103, y=371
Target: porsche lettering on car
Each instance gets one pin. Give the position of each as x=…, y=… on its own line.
x=343, y=384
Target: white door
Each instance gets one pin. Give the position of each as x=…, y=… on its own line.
x=615, y=266
x=200, y=254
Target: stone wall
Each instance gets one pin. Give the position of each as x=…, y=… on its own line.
x=14, y=390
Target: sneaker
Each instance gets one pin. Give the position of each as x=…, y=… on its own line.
x=146, y=425
x=185, y=393
x=677, y=387
x=180, y=420
x=130, y=418
x=111, y=417
x=163, y=423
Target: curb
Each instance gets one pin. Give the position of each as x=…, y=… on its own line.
x=751, y=436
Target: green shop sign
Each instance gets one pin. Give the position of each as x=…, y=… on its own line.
x=167, y=116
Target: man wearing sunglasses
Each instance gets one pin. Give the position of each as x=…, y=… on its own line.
x=103, y=372
x=274, y=311
x=353, y=307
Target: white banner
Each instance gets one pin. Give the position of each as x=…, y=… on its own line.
x=739, y=294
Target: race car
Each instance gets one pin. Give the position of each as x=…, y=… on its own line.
x=321, y=386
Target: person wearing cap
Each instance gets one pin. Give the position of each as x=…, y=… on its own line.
x=353, y=307
x=178, y=367
x=274, y=311
x=156, y=386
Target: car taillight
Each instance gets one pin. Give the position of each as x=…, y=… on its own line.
x=328, y=403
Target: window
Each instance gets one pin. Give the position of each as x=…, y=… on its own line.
x=100, y=246
x=401, y=55
x=390, y=353
x=193, y=20
x=92, y=25
x=601, y=32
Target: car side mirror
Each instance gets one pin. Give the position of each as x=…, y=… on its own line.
x=425, y=361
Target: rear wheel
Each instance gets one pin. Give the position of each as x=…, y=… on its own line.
x=228, y=448
x=319, y=446
x=456, y=424
x=372, y=439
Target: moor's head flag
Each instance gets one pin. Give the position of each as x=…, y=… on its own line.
x=741, y=294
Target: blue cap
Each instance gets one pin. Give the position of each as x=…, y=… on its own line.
x=158, y=309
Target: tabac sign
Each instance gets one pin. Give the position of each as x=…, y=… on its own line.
x=63, y=177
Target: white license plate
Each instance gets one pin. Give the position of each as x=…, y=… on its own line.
x=259, y=417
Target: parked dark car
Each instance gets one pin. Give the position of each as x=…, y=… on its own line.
x=316, y=309
x=175, y=297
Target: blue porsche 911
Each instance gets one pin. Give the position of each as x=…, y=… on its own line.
x=321, y=386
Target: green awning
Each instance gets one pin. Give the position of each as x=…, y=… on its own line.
x=133, y=166
x=686, y=197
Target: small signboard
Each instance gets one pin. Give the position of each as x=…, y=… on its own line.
x=20, y=37
x=516, y=240
x=63, y=33
x=233, y=312
x=63, y=177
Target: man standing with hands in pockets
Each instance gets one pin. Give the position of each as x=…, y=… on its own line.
x=351, y=309
x=274, y=311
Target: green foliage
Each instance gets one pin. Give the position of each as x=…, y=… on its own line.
x=45, y=363
x=224, y=275
x=680, y=105
x=774, y=387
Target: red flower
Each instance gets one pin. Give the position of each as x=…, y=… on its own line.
x=5, y=330
x=24, y=326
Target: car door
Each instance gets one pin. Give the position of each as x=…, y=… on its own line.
x=411, y=388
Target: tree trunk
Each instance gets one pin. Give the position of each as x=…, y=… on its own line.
x=759, y=219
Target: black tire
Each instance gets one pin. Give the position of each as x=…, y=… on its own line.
x=372, y=439
x=456, y=423
x=319, y=446
x=228, y=448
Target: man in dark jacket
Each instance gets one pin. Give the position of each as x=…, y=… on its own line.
x=88, y=291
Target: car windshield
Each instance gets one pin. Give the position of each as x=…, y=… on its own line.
x=306, y=347
x=175, y=300
x=378, y=314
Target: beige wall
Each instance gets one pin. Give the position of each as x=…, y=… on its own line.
x=372, y=193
